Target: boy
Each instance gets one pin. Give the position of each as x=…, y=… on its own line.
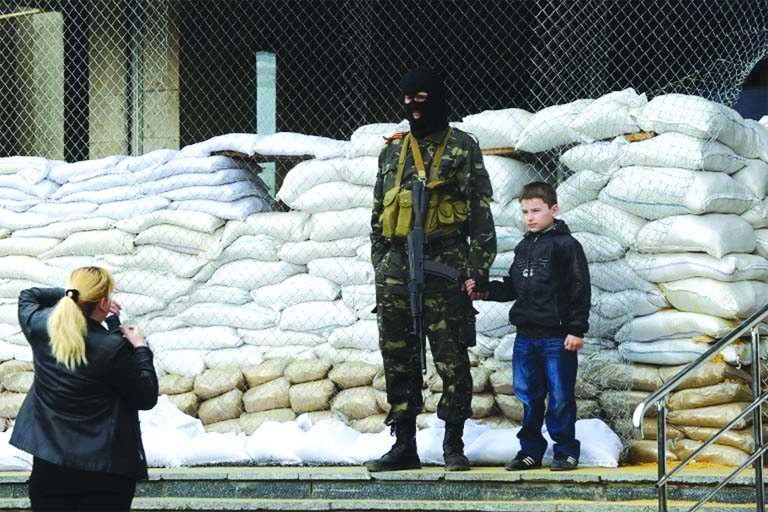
x=549, y=282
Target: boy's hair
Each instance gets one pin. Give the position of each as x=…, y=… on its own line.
x=540, y=190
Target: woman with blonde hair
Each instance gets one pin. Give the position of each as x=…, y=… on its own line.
x=80, y=419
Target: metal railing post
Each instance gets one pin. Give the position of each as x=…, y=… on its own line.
x=757, y=420
x=661, y=437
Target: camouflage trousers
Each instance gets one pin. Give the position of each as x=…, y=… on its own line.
x=449, y=323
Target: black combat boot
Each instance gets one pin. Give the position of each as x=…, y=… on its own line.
x=453, y=448
x=403, y=454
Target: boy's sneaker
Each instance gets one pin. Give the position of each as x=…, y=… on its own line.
x=522, y=462
x=564, y=463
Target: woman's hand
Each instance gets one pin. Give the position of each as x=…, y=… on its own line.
x=133, y=335
x=114, y=307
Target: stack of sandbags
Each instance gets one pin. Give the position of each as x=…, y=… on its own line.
x=15, y=380
x=702, y=404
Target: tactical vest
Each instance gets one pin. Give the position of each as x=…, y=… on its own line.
x=444, y=212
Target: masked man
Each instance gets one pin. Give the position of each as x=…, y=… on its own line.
x=460, y=234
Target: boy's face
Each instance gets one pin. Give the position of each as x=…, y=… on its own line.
x=537, y=215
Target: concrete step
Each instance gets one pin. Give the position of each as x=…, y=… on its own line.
x=353, y=488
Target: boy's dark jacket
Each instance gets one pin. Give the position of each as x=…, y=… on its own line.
x=549, y=282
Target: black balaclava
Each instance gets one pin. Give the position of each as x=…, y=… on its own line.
x=434, y=111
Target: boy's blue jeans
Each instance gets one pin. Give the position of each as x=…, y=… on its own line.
x=542, y=366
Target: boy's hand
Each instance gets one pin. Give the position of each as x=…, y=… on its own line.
x=573, y=343
x=469, y=286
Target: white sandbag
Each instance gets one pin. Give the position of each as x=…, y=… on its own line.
x=109, y=195
x=288, y=226
x=165, y=430
x=608, y=115
x=185, y=165
x=343, y=271
x=301, y=253
x=199, y=338
x=119, y=210
x=221, y=177
x=153, y=283
x=508, y=214
x=248, y=316
x=17, y=206
x=12, y=220
x=63, y=229
x=9, y=351
x=507, y=238
x=598, y=247
x=310, y=173
x=39, y=189
x=152, y=257
x=505, y=347
x=254, y=247
x=360, y=299
x=334, y=195
x=10, y=289
x=275, y=337
x=135, y=304
x=239, y=357
x=196, y=221
x=26, y=246
x=251, y=274
x=501, y=264
x=581, y=187
x=497, y=128
x=219, y=294
x=214, y=448
x=682, y=151
x=667, y=352
x=655, y=192
x=347, y=355
x=605, y=327
x=674, y=324
x=275, y=443
x=11, y=458
x=69, y=263
x=701, y=118
x=494, y=447
x=182, y=362
x=363, y=252
x=316, y=316
x=716, y=234
x=362, y=335
x=761, y=236
x=238, y=142
x=150, y=324
x=89, y=243
x=16, y=195
x=616, y=276
x=602, y=157
x=325, y=226
x=64, y=211
x=327, y=442
x=508, y=176
x=63, y=173
x=757, y=216
x=31, y=167
x=604, y=219
x=295, y=289
x=32, y=269
x=93, y=184
x=299, y=144
x=738, y=299
x=230, y=210
x=362, y=170
x=177, y=238
x=493, y=318
x=368, y=140
x=600, y=446
x=549, y=127
x=133, y=164
x=636, y=302
x=225, y=193
x=660, y=268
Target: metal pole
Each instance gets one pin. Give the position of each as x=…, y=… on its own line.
x=757, y=420
x=661, y=435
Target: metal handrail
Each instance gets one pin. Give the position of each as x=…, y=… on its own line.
x=659, y=399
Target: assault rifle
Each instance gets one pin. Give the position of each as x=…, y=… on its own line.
x=418, y=265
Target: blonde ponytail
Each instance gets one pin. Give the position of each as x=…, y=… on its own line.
x=67, y=325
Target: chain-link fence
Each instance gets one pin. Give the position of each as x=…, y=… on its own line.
x=242, y=250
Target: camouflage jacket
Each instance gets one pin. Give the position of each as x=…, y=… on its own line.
x=462, y=166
